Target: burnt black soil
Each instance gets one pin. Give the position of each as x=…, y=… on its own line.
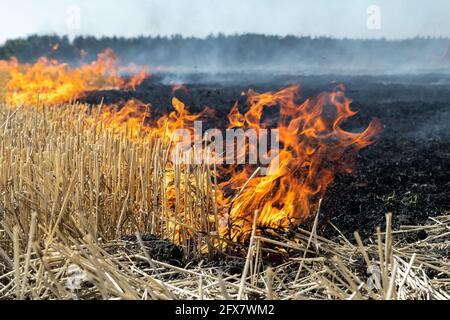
x=407, y=172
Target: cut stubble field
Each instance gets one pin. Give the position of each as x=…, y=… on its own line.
x=94, y=212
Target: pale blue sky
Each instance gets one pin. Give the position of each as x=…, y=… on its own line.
x=399, y=18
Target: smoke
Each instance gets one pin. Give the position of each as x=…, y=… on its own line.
x=397, y=19
x=357, y=19
x=249, y=53
x=285, y=55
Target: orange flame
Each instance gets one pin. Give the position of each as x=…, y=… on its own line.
x=235, y=118
x=55, y=83
x=314, y=148
x=129, y=119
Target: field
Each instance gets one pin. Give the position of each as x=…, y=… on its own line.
x=92, y=208
x=401, y=173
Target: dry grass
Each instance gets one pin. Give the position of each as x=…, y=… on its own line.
x=71, y=189
x=82, y=179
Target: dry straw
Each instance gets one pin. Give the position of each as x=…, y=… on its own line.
x=72, y=188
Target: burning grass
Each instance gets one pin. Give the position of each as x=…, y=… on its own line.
x=53, y=82
x=72, y=189
x=93, y=207
x=312, y=148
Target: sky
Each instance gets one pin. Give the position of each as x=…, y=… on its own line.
x=392, y=19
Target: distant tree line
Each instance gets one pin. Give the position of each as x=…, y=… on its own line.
x=239, y=51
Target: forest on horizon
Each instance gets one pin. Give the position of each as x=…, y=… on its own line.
x=219, y=52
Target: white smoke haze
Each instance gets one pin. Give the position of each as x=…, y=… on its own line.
x=365, y=20
x=399, y=18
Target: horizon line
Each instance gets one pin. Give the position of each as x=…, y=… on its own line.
x=71, y=37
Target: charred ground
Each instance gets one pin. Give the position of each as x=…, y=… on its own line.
x=405, y=172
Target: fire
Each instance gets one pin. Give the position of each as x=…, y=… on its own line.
x=133, y=117
x=314, y=148
x=177, y=119
x=235, y=118
x=129, y=119
x=6, y=68
x=53, y=83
